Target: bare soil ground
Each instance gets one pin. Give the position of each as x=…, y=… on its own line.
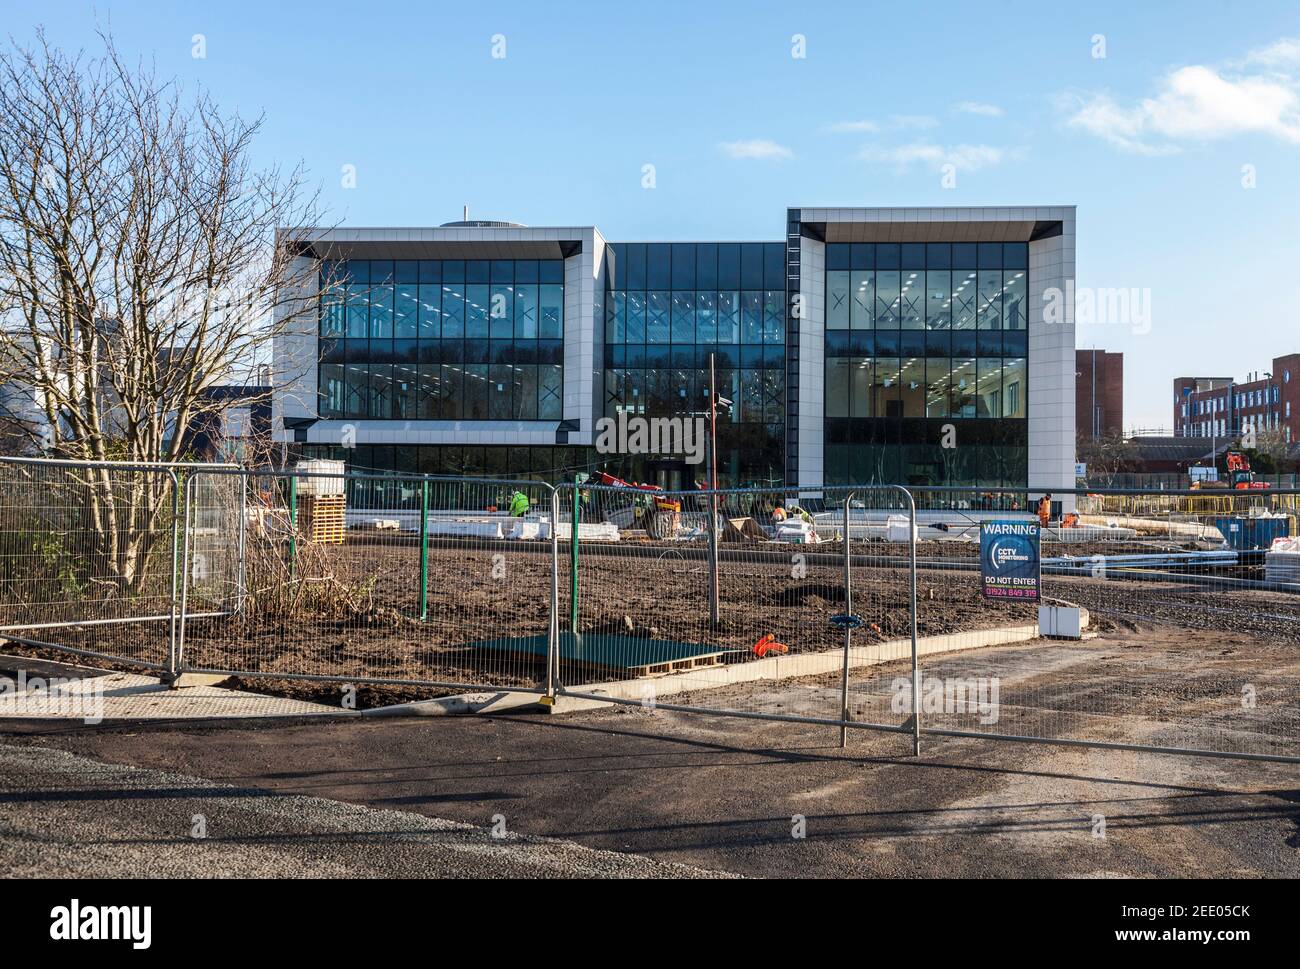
x=636, y=590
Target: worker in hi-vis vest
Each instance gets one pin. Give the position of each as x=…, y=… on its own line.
x=518, y=505
x=1045, y=510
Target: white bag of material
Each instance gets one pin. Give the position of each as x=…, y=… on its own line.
x=317, y=486
x=466, y=529
x=587, y=532
x=899, y=529
x=529, y=531
x=797, y=532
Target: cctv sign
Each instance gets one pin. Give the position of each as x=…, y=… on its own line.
x=1010, y=567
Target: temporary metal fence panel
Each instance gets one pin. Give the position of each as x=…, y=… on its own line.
x=425, y=582
x=846, y=606
x=1194, y=624
x=89, y=557
x=740, y=602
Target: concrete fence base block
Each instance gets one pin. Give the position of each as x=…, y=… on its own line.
x=462, y=703
x=194, y=679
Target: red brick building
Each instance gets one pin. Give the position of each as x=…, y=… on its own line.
x=1099, y=393
x=1224, y=406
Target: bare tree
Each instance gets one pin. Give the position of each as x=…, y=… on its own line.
x=1107, y=455
x=139, y=267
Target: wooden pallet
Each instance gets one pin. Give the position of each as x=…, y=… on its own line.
x=323, y=519
x=676, y=666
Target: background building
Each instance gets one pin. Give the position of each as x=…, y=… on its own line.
x=1223, y=406
x=1099, y=393
x=846, y=350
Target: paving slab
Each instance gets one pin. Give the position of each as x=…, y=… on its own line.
x=102, y=695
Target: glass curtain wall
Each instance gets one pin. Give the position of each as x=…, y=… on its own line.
x=921, y=336
x=672, y=305
x=479, y=340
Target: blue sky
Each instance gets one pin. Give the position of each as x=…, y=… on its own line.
x=1149, y=141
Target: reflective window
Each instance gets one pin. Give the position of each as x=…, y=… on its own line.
x=965, y=296
x=989, y=307
x=937, y=379
x=887, y=300
x=695, y=301
x=938, y=299
x=911, y=300
x=442, y=340
x=838, y=299
x=1015, y=388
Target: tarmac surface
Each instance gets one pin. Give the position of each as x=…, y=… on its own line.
x=63, y=815
x=651, y=788
x=710, y=792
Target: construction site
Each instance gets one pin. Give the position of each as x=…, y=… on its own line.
x=417, y=590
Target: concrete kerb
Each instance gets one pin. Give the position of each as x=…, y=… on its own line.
x=711, y=677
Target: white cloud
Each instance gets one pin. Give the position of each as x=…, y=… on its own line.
x=912, y=121
x=851, y=126
x=1199, y=103
x=896, y=122
x=759, y=148
x=1279, y=54
x=978, y=107
x=964, y=157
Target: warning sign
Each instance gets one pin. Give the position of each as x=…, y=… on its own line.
x=1010, y=567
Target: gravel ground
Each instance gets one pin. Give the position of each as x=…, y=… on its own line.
x=63, y=815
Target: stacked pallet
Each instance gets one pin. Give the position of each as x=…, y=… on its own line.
x=1282, y=563
x=321, y=518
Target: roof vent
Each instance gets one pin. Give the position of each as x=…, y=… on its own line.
x=467, y=223
x=482, y=224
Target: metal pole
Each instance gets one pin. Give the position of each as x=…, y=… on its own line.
x=293, y=527
x=848, y=629
x=241, y=575
x=185, y=578
x=171, y=633
x=573, y=566
x=714, y=581
x=916, y=665
x=553, y=629
x=424, y=549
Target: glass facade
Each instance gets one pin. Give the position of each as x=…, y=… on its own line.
x=926, y=346
x=919, y=337
x=673, y=305
x=474, y=340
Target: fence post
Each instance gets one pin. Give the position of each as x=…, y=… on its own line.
x=241, y=580
x=916, y=666
x=573, y=566
x=553, y=629
x=293, y=527
x=848, y=628
x=714, y=582
x=185, y=579
x=171, y=632
x=424, y=549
